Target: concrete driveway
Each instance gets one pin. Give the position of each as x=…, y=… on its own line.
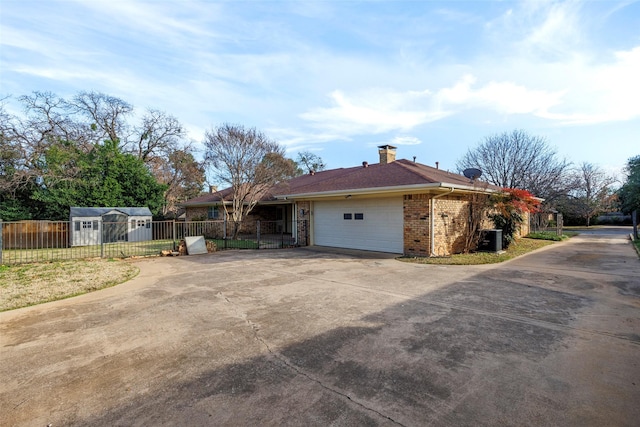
x=308, y=337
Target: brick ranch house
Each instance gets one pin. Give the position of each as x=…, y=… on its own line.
x=393, y=206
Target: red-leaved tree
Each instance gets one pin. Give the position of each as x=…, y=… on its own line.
x=510, y=208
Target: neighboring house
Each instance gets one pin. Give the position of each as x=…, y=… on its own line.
x=93, y=226
x=392, y=206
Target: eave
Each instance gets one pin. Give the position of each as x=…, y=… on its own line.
x=386, y=191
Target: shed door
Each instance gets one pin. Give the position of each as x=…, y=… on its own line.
x=114, y=228
x=368, y=224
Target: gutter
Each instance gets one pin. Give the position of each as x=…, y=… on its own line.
x=398, y=189
x=432, y=244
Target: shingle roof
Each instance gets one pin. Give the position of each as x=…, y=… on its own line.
x=209, y=198
x=394, y=174
x=95, y=211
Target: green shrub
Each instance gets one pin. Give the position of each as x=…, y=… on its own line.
x=547, y=235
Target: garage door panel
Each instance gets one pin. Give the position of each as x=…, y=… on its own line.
x=379, y=230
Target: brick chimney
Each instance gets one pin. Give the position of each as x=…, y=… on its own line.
x=387, y=154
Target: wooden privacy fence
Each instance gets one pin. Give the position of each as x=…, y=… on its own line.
x=35, y=234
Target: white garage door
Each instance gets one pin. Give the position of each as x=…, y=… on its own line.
x=369, y=224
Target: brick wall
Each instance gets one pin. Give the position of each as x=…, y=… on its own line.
x=451, y=216
x=415, y=209
x=196, y=213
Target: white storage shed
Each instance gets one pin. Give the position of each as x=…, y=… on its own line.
x=93, y=226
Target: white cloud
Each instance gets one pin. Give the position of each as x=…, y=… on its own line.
x=542, y=28
x=380, y=111
x=503, y=97
x=605, y=92
x=405, y=140
x=164, y=20
x=374, y=112
x=297, y=140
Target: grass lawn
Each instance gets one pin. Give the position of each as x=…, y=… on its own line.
x=520, y=247
x=30, y=284
x=111, y=250
x=550, y=235
x=108, y=250
x=636, y=243
x=235, y=244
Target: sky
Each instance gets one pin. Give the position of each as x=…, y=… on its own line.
x=339, y=78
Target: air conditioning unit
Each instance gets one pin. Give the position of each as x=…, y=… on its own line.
x=490, y=241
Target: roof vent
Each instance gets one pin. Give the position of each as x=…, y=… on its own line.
x=365, y=164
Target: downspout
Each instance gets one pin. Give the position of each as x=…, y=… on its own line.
x=432, y=242
x=294, y=222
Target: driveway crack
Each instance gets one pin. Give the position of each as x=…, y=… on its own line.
x=255, y=328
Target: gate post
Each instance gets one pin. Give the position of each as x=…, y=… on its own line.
x=258, y=232
x=101, y=222
x=559, y=224
x=173, y=234
x=0, y=241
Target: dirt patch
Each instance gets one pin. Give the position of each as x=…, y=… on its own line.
x=30, y=284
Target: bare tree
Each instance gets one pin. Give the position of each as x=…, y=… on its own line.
x=181, y=173
x=248, y=162
x=107, y=114
x=592, y=193
x=159, y=134
x=519, y=160
x=26, y=140
x=310, y=162
x=478, y=209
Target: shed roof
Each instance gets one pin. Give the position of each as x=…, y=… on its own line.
x=95, y=211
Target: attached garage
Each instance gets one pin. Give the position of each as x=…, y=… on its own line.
x=367, y=224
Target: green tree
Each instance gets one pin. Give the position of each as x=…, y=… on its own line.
x=307, y=162
x=630, y=191
x=105, y=177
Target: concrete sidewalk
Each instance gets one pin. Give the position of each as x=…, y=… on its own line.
x=309, y=337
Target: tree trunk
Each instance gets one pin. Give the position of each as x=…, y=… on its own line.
x=236, y=230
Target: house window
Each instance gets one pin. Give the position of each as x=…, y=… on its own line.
x=213, y=212
x=148, y=223
x=87, y=225
x=77, y=225
x=358, y=216
x=133, y=224
x=140, y=223
x=347, y=216
x=95, y=224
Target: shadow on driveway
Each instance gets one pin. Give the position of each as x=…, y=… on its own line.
x=304, y=337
